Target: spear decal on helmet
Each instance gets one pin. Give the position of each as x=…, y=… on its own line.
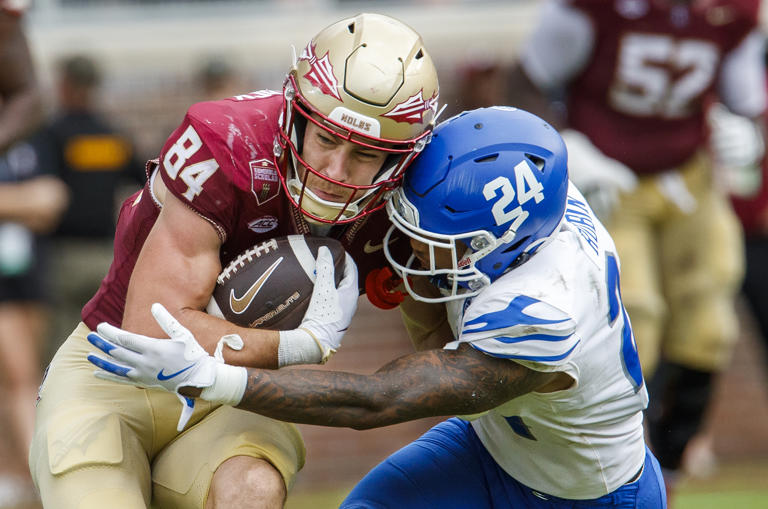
x=412, y=109
x=320, y=73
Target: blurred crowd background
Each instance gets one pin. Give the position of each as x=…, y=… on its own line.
x=137, y=65
x=158, y=57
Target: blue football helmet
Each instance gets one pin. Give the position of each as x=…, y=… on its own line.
x=491, y=188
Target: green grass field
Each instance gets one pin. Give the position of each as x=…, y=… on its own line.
x=741, y=485
x=735, y=486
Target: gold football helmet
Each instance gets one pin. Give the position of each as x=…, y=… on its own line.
x=366, y=79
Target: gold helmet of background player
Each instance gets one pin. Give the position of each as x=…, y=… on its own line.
x=367, y=79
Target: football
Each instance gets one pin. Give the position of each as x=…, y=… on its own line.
x=269, y=286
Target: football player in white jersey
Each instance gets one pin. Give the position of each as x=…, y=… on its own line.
x=542, y=356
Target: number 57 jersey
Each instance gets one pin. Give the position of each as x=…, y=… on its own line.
x=562, y=311
x=640, y=73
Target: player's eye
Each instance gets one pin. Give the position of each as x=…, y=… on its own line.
x=369, y=155
x=326, y=139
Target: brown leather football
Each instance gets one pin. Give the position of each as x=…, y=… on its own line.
x=269, y=286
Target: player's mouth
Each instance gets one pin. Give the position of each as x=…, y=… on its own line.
x=327, y=196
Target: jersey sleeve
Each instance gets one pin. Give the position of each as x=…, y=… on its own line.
x=742, y=83
x=520, y=328
x=192, y=172
x=559, y=46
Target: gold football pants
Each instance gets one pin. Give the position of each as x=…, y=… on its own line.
x=681, y=252
x=99, y=443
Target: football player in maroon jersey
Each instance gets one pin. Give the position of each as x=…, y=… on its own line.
x=319, y=157
x=637, y=78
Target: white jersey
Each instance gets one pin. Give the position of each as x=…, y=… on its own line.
x=561, y=311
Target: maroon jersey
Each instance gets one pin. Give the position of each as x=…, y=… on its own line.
x=219, y=162
x=653, y=67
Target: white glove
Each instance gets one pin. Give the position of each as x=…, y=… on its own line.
x=598, y=177
x=168, y=364
x=737, y=148
x=327, y=318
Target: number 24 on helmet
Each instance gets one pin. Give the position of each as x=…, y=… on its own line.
x=491, y=188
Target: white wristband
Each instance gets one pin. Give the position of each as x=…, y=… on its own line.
x=297, y=346
x=229, y=385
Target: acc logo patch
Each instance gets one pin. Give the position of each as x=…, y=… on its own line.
x=263, y=224
x=265, y=183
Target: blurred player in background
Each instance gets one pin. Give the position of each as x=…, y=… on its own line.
x=735, y=143
x=217, y=79
x=30, y=204
x=543, y=354
x=752, y=209
x=738, y=151
x=318, y=157
x=636, y=78
x=481, y=83
x=99, y=166
x=21, y=109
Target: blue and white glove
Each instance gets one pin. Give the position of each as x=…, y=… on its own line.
x=327, y=318
x=169, y=364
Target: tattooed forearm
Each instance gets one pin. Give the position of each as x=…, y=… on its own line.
x=423, y=384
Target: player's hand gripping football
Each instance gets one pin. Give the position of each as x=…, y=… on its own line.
x=329, y=313
x=169, y=364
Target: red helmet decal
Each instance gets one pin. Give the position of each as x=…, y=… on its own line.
x=320, y=72
x=412, y=109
